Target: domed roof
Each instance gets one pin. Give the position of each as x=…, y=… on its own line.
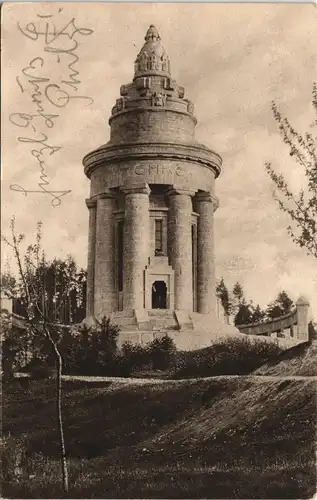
x=152, y=58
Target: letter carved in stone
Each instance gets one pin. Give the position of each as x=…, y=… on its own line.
x=139, y=170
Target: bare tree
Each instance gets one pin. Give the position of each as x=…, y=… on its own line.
x=31, y=291
x=302, y=206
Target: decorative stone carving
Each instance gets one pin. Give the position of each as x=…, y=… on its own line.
x=158, y=99
x=120, y=104
x=124, y=89
x=190, y=108
x=181, y=92
x=152, y=56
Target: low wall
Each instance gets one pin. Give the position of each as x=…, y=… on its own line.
x=287, y=331
x=293, y=325
x=191, y=340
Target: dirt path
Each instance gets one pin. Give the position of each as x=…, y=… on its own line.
x=144, y=381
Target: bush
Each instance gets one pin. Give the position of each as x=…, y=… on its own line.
x=91, y=351
x=162, y=352
x=134, y=357
x=13, y=349
x=229, y=356
x=156, y=355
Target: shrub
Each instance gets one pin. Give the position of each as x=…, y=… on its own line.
x=135, y=356
x=162, y=352
x=156, y=355
x=13, y=349
x=91, y=350
x=229, y=356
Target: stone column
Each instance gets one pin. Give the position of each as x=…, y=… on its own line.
x=302, y=308
x=91, y=205
x=105, y=293
x=206, y=205
x=180, y=246
x=136, y=246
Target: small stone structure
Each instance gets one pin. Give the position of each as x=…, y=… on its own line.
x=151, y=240
x=293, y=325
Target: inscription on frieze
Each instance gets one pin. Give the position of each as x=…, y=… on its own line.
x=173, y=173
x=159, y=170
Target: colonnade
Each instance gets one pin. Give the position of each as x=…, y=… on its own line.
x=101, y=282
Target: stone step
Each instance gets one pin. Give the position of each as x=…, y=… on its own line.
x=162, y=321
x=165, y=329
x=123, y=314
x=123, y=320
x=161, y=312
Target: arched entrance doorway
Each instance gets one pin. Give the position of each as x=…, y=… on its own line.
x=159, y=295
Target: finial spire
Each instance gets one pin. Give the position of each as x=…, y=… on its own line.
x=152, y=34
x=152, y=58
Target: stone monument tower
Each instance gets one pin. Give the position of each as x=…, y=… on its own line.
x=151, y=260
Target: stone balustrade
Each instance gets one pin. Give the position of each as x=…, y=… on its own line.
x=292, y=325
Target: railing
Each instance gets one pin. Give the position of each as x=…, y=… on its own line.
x=292, y=325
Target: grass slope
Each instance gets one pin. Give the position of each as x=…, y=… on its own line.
x=298, y=360
x=208, y=438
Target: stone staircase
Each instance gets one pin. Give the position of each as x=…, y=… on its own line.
x=124, y=319
x=162, y=320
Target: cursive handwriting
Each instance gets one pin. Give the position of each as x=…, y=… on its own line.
x=39, y=155
x=57, y=195
x=48, y=97
x=69, y=30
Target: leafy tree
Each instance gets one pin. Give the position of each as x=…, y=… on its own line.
x=8, y=282
x=282, y=305
x=31, y=292
x=301, y=207
x=244, y=314
x=258, y=314
x=237, y=299
x=64, y=287
x=223, y=294
x=237, y=292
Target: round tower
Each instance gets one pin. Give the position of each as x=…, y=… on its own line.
x=151, y=242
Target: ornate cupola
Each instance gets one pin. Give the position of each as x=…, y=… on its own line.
x=152, y=89
x=152, y=58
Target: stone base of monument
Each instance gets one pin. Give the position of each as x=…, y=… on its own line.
x=188, y=331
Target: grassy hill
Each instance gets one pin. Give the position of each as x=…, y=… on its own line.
x=223, y=437
x=298, y=360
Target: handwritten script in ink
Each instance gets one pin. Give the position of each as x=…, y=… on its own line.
x=46, y=98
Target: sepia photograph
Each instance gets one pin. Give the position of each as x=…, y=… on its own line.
x=158, y=250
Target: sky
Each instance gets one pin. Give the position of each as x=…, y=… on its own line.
x=232, y=59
